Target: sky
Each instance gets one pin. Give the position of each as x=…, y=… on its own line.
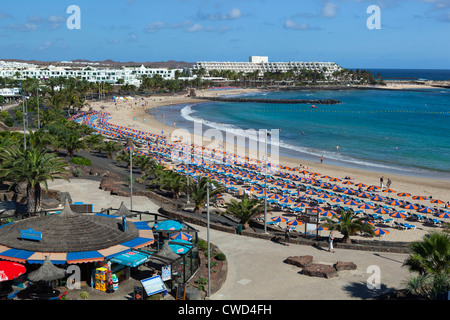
x=412, y=34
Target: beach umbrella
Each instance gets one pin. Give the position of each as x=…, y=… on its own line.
x=275, y=196
x=323, y=185
x=437, y=201
x=351, y=203
x=322, y=228
x=328, y=213
x=397, y=215
x=410, y=207
x=315, y=174
x=279, y=219
x=326, y=177
x=337, y=199
x=443, y=215
x=304, y=172
x=10, y=270
x=394, y=203
x=419, y=198
x=403, y=194
x=378, y=198
x=325, y=196
x=311, y=193
x=347, y=182
x=381, y=210
x=389, y=191
x=301, y=205
x=380, y=231
x=336, y=188
x=316, y=209
x=426, y=210
x=181, y=236
x=295, y=222
x=350, y=191
x=361, y=185
x=367, y=222
x=373, y=188
x=365, y=206
x=286, y=200
x=335, y=180
x=364, y=195
x=251, y=189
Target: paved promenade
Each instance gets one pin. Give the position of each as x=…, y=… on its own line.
x=256, y=270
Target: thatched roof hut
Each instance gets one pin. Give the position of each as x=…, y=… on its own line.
x=69, y=232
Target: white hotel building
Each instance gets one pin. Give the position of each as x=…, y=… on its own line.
x=262, y=64
x=130, y=75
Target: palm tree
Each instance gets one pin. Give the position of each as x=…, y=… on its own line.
x=33, y=167
x=173, y=182
x=348, y=224
x=430, y=255
x=144, y=162
x=123, y=156
x=245, y=209
x=71, y=141
x=198, y=191
x=111, y=147
x=430, y=258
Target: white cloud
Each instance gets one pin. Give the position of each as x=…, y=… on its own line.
x=195, y=28
x=292, y=25
x=329, y=10
x=155, y=26
x=234, y=14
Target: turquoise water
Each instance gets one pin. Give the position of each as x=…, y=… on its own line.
x=401, y=131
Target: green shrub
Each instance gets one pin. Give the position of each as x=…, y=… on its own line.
x=221, y=256
x=80, y=161
x=9, y=122
x=202, y=245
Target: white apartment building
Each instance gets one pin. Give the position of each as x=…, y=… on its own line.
x=262, y=64
x=130, y=75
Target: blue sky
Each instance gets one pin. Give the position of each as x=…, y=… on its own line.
x=413, y=34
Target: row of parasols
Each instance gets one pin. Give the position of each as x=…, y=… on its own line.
x=252, y=170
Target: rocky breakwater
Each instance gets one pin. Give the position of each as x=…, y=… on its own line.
x=278, y=101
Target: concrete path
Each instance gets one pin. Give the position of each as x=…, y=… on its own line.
x=256, y=270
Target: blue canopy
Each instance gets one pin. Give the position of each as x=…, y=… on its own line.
x=131, y=259
x=180, y=246
x=168, y=225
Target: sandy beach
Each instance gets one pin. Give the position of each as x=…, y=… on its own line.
x=132, y=114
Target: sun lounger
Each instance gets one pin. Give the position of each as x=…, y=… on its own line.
x=387, y=220
x=408, y=226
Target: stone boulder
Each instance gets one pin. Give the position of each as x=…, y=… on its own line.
x=299, y=261
x=320, y=270
x=339, y=266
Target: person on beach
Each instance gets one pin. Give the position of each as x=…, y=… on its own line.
x=381, y=182
x=388, y=184
x=287, y=235
x=321, y=159
x=330, y=242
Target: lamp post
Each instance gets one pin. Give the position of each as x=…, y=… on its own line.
x=207, y=238
x=24, y=125
x=131, y=179
x=37, y=97
x=265, y=181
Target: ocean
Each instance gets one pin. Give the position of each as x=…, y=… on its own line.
x=404, y=132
